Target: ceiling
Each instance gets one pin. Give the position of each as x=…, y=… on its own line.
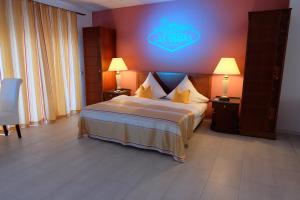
x=94, y=5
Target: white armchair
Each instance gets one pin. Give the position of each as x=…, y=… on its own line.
x=9, y=97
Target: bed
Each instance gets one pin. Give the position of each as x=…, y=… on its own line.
x=159, y=124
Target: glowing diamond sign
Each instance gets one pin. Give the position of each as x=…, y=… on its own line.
x=172, y=36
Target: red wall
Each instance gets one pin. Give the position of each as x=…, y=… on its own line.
x=221, y=23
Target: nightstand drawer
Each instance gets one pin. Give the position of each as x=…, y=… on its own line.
x=225, y=106
x=225, y=116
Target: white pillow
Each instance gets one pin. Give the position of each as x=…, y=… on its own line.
x=157, y=91
x=195, y=96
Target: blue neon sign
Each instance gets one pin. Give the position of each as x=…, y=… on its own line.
x=172, y=36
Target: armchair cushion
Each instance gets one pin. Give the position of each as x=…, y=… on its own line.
x=8, y=118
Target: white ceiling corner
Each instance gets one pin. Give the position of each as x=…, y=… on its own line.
x=95, y=5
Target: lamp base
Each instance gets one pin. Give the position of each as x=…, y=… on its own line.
x=118, y=90
x=224, y=98
x=118, y=80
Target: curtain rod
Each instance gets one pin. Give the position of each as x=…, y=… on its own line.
x=78, y=13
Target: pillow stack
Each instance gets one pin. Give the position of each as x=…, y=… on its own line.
x=186, y=85
x=185, y=92
x=157, y=91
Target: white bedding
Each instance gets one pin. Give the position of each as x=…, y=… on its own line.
x=197, y=108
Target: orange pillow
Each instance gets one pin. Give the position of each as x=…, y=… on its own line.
x=145, y=92
x=181, y=97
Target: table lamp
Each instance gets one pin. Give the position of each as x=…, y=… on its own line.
x=226, y=66
x=117, y=65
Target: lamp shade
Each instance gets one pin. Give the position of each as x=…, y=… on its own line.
x=227, y=66
x=117, y=64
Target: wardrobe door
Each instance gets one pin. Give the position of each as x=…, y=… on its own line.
x=108, y=51
x=99, y=49
x=266, y=46
x=107, y=47
x=92, y=61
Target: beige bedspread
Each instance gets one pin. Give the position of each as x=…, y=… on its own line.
x=139, y=135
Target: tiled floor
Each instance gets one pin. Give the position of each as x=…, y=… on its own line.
x=51, y=163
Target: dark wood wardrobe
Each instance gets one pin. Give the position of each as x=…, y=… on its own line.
x=99, y=49
x=266, y=48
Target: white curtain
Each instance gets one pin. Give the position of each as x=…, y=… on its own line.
x=38, y=43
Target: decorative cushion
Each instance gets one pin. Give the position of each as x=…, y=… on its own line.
x=157, y=91
x=181, y=96
x=145, y=92
x=195, y=96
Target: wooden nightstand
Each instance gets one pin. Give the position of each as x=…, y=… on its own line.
x=108, y=95
x=225, y=116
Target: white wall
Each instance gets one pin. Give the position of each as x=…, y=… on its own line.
x=65, y=5
x=289, y=109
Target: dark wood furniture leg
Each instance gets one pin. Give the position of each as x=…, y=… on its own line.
x=5, y=130
x=18, y=131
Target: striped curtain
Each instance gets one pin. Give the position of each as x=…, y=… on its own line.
x=39, y=44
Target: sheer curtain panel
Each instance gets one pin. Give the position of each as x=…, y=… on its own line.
x=39, y=44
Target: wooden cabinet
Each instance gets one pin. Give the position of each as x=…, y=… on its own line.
x=266, y=47
x=108, y=95
x=225, y=115
x=99, y=49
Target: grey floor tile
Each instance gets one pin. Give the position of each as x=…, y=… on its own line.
x=50, y=163
x=215, y=191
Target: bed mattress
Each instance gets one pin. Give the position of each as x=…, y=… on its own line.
x=160, y=125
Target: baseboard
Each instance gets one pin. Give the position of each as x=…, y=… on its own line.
x=283, y=131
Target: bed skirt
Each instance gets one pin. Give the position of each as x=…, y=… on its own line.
x=131, y=135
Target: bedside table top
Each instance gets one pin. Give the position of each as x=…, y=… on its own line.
x=232, y=100
x=121, y=91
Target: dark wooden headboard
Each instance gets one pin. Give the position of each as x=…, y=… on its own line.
x=170, y=80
